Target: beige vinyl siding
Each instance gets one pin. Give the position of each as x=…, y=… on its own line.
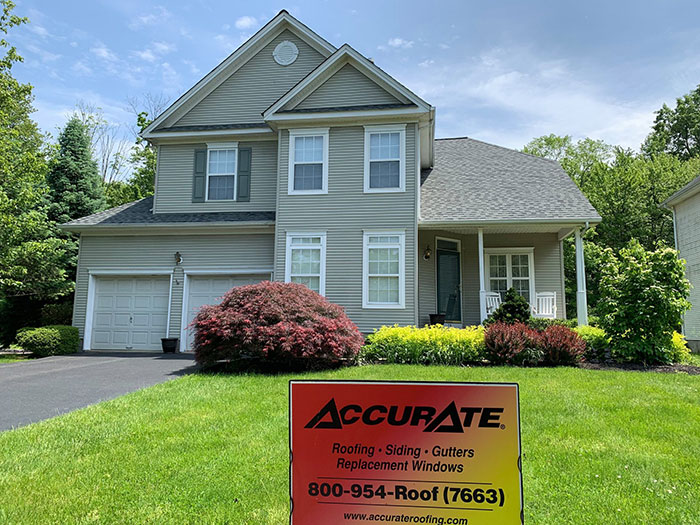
x=347, y=87
x=176, y=166
x=548, y=269
x=344, y=213
x=231, y=252
x=688, y=239
x=243, y=97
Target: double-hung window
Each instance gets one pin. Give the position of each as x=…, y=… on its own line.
x=306, y=260
x=222, y=161
x=385, y=153
x=308, y=161
x=511, y=267
x=383, y=266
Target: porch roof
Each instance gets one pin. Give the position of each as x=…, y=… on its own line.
x=474, y=182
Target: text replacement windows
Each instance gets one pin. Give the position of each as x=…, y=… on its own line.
x=308, y=161
x=306, y=260
x=385, y=158
x=222, y=160
x=383, y=270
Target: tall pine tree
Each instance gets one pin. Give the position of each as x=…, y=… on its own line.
x=75, y=185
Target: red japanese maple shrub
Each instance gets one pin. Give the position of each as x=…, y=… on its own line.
x=562, y=346
x=276, y=322
x=513, y=344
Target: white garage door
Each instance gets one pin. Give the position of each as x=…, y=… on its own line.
x=210, y=289
x=130, y=313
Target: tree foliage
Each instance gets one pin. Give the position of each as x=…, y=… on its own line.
x=32, y=258
x=644, y=295
x=513, y=309
x=74, y=181
x=676, y=131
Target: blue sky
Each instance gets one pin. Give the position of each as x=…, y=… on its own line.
x=502, y=72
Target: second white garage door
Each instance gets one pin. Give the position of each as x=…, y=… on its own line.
x=209, y=289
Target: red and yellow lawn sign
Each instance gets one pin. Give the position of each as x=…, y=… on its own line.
x=405, y=453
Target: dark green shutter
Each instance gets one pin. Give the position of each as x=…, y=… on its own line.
x=244, y=163
x=199, y=179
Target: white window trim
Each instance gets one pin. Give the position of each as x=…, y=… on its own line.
x=402, y=268
x=394, y=128
x=288, y=257
x=529, y=251
x=217, y=146
x=307, y=132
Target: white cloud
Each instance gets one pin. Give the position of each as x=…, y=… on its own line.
x=43, y=54
x=426, y=63
x=74, y=44
x=146, y=55
x=509, y=96
x=39, y=30
x=246, y=22
x=81, y=68
x=159, y=15
x=400, y=43
x=171, y=78
x=103, y=52
x=163, y=48
x=193, y=67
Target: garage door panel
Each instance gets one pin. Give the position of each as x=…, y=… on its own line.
x=130, y=312
x=207, y=290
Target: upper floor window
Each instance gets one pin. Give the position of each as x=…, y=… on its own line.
x=308, y=161
x=306, y=260
x=383, y=270
x=385, y=158
x=221, y=171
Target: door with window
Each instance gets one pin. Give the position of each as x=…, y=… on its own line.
x=449, y=282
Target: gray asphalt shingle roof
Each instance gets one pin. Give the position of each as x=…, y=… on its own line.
x=139, y=213
x=476, y=181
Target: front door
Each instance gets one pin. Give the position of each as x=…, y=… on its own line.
x=449, y=285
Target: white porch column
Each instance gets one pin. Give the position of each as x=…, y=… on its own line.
x=482, y=279
x=581, y=301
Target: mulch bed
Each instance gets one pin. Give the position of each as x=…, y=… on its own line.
x=630, y=367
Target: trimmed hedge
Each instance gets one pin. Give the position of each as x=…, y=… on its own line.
x=49, y=340
x=597, y=342
x=431, y=345
x=520, y=344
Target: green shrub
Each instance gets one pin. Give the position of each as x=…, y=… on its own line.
x=432, y=345
x=540, y=323
x=679, y=353
x=513, y=309
x=644, y=295
x=56, y=314
x=597, y=342
x=49, y=340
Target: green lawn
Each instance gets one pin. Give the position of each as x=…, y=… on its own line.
x=599, y=448
x=9, y=359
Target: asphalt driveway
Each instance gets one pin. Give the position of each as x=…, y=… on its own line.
x=39, y=389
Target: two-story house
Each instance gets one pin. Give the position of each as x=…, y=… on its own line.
x=294, y=160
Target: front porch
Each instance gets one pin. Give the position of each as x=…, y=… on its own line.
x=460, y=266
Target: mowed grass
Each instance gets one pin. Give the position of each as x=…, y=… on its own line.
x=10, y=359
x=600, y=447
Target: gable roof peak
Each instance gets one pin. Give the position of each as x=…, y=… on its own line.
x=240, y=56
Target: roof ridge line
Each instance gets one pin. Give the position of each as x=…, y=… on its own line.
x=499, y=146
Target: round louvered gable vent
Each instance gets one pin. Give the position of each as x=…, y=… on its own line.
x=285, y=53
